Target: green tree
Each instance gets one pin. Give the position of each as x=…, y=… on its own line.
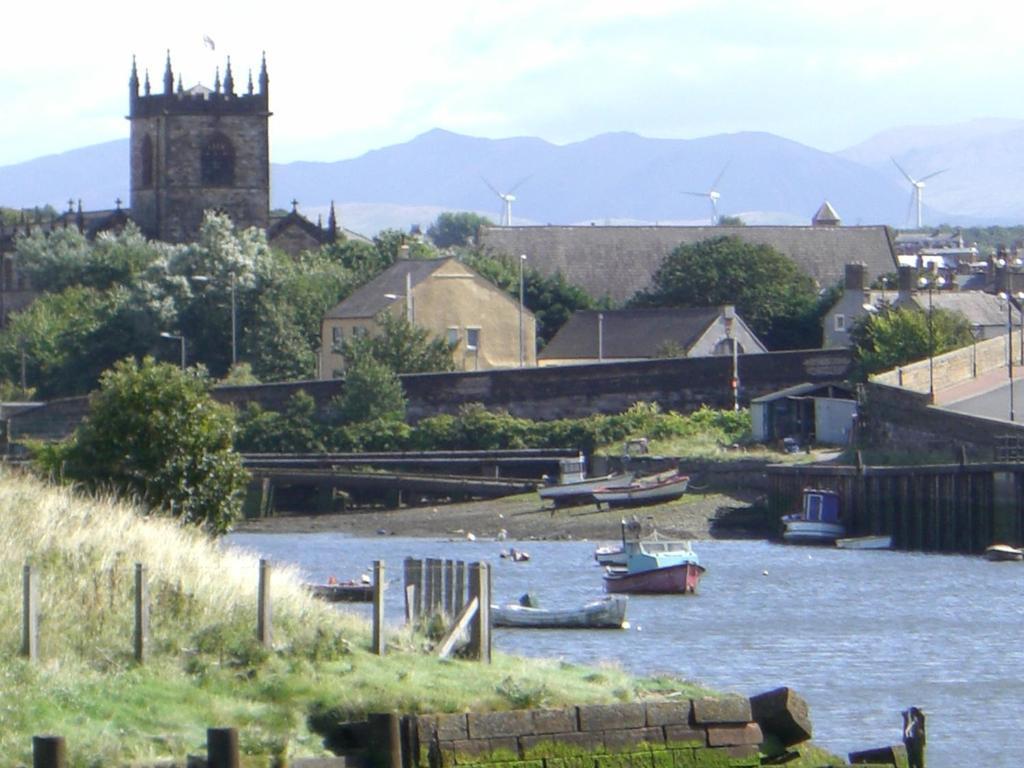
x=401, y=346
x=372, y=392
x=730, y=221
x=769, y=291
x=154, y=433
x=456, y=229
x=393, y=244
x=892, y=337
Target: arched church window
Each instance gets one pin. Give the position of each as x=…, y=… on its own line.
x=146, y=161
x=218, y=161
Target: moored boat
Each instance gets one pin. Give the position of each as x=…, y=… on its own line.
x=653, y=567
x=818, y=520
x=1003, y=553
x=574, y=487
x=645, y=490
x=353, y=591
x=608, y=612
x=865, y=542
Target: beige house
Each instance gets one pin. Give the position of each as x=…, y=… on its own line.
x=487, y=327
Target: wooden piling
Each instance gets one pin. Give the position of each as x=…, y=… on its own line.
x=141, y=613
x=428, y=586
x=385, y=740
x=222, y=748
x=378, y=607
x=49, y=752
x=30, y=614
x=460, y=585
x=437, y=586
x=449, y=587
x=264, y=616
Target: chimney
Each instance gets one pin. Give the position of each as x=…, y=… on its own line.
x=855, y=276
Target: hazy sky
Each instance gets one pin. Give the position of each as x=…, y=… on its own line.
x=348, y=77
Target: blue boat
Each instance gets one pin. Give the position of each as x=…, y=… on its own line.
x=817, y=522
x=653, y=567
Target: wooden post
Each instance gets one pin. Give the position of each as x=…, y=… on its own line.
x=385, y=740
x=141, y=613
x=378, y=607
x=48, y=752
x=449, y=586
x=437, y=588
x=480, y=629
x=460, y=585
x=914, y=736
x=428, y=586
x=264, y=616
x=222, y=748
x=408, y=591
x=30, y=614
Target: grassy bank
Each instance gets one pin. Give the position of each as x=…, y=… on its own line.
x=206, y=668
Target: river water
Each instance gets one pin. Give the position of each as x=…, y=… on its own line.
x=860, y=635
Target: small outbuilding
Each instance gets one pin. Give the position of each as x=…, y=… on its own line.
x=807, y=413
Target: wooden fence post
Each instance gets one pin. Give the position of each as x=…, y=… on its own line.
x=449, y=586
x=460, y=585
x=428, y=586
x=437, y=587
x=30, y=614
x=385, y=740
x=141, y=613
x=408, y=591
x=222, y=748
x=48, y=752
x=378, y=607
x=264, y=615
x=480, y=629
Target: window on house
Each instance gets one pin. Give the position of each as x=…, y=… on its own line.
x=472, y=338
x=840, y=322
x=336, y=334
x=217, y=161
x=358, y=330
x=453, y=337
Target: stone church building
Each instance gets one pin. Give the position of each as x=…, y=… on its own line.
x=191, y=150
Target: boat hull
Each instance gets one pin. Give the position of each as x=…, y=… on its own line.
x=343, y=593
x=581, y=492
x=812, y=532
x=607, y=613
x=865, y=542
x=678, y=579
x=1003, y=553
x=639, y=494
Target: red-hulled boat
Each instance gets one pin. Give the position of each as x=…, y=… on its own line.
x=653, y=569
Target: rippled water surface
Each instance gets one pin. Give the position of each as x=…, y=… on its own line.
x=861, y=635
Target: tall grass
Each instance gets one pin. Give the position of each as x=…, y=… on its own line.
x=206, y=668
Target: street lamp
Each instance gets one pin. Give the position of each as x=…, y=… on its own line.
x=1009, y=342
x=166, y=335
x=730, y=325
x=522, y=343
x=234, y=311
x=600, y=337
x=930, y=284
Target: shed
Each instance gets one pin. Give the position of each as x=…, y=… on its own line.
x=811, y=413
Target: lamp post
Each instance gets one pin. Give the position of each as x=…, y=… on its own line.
x=734, y=382
x=522, y=343
x=930, y=284
x=179, y=338
x=600, y=337
x=234, y=323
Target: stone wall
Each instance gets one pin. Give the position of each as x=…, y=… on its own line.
x=951, y=368
x=698, y=732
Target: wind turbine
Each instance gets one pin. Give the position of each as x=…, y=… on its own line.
x=918, y=185
x=507, y=198
x=712, y=194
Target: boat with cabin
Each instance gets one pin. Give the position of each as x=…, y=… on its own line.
x=1003, y=553
x=817, y=522
x=653, y=568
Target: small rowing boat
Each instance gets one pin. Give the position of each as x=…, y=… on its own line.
x=607, y=613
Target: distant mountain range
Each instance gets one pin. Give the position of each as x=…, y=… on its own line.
x=612, y=178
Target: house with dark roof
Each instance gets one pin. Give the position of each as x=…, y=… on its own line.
x=988, y=314
x=485, y=326
x=618, y=261
x=641, y=334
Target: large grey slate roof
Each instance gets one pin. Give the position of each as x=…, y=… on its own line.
x=371, y=299
x=619, y=261
x=628, y=333
x=979, y=308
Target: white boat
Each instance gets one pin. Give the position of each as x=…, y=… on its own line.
x=1002, y=553
x=645, y=490
x=653, y=567
x=865, y=542
x=574, y=487
x=817, y=522
x=615, y=554
x=607, y=613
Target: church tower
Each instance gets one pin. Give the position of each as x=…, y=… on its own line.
x=198, y=149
